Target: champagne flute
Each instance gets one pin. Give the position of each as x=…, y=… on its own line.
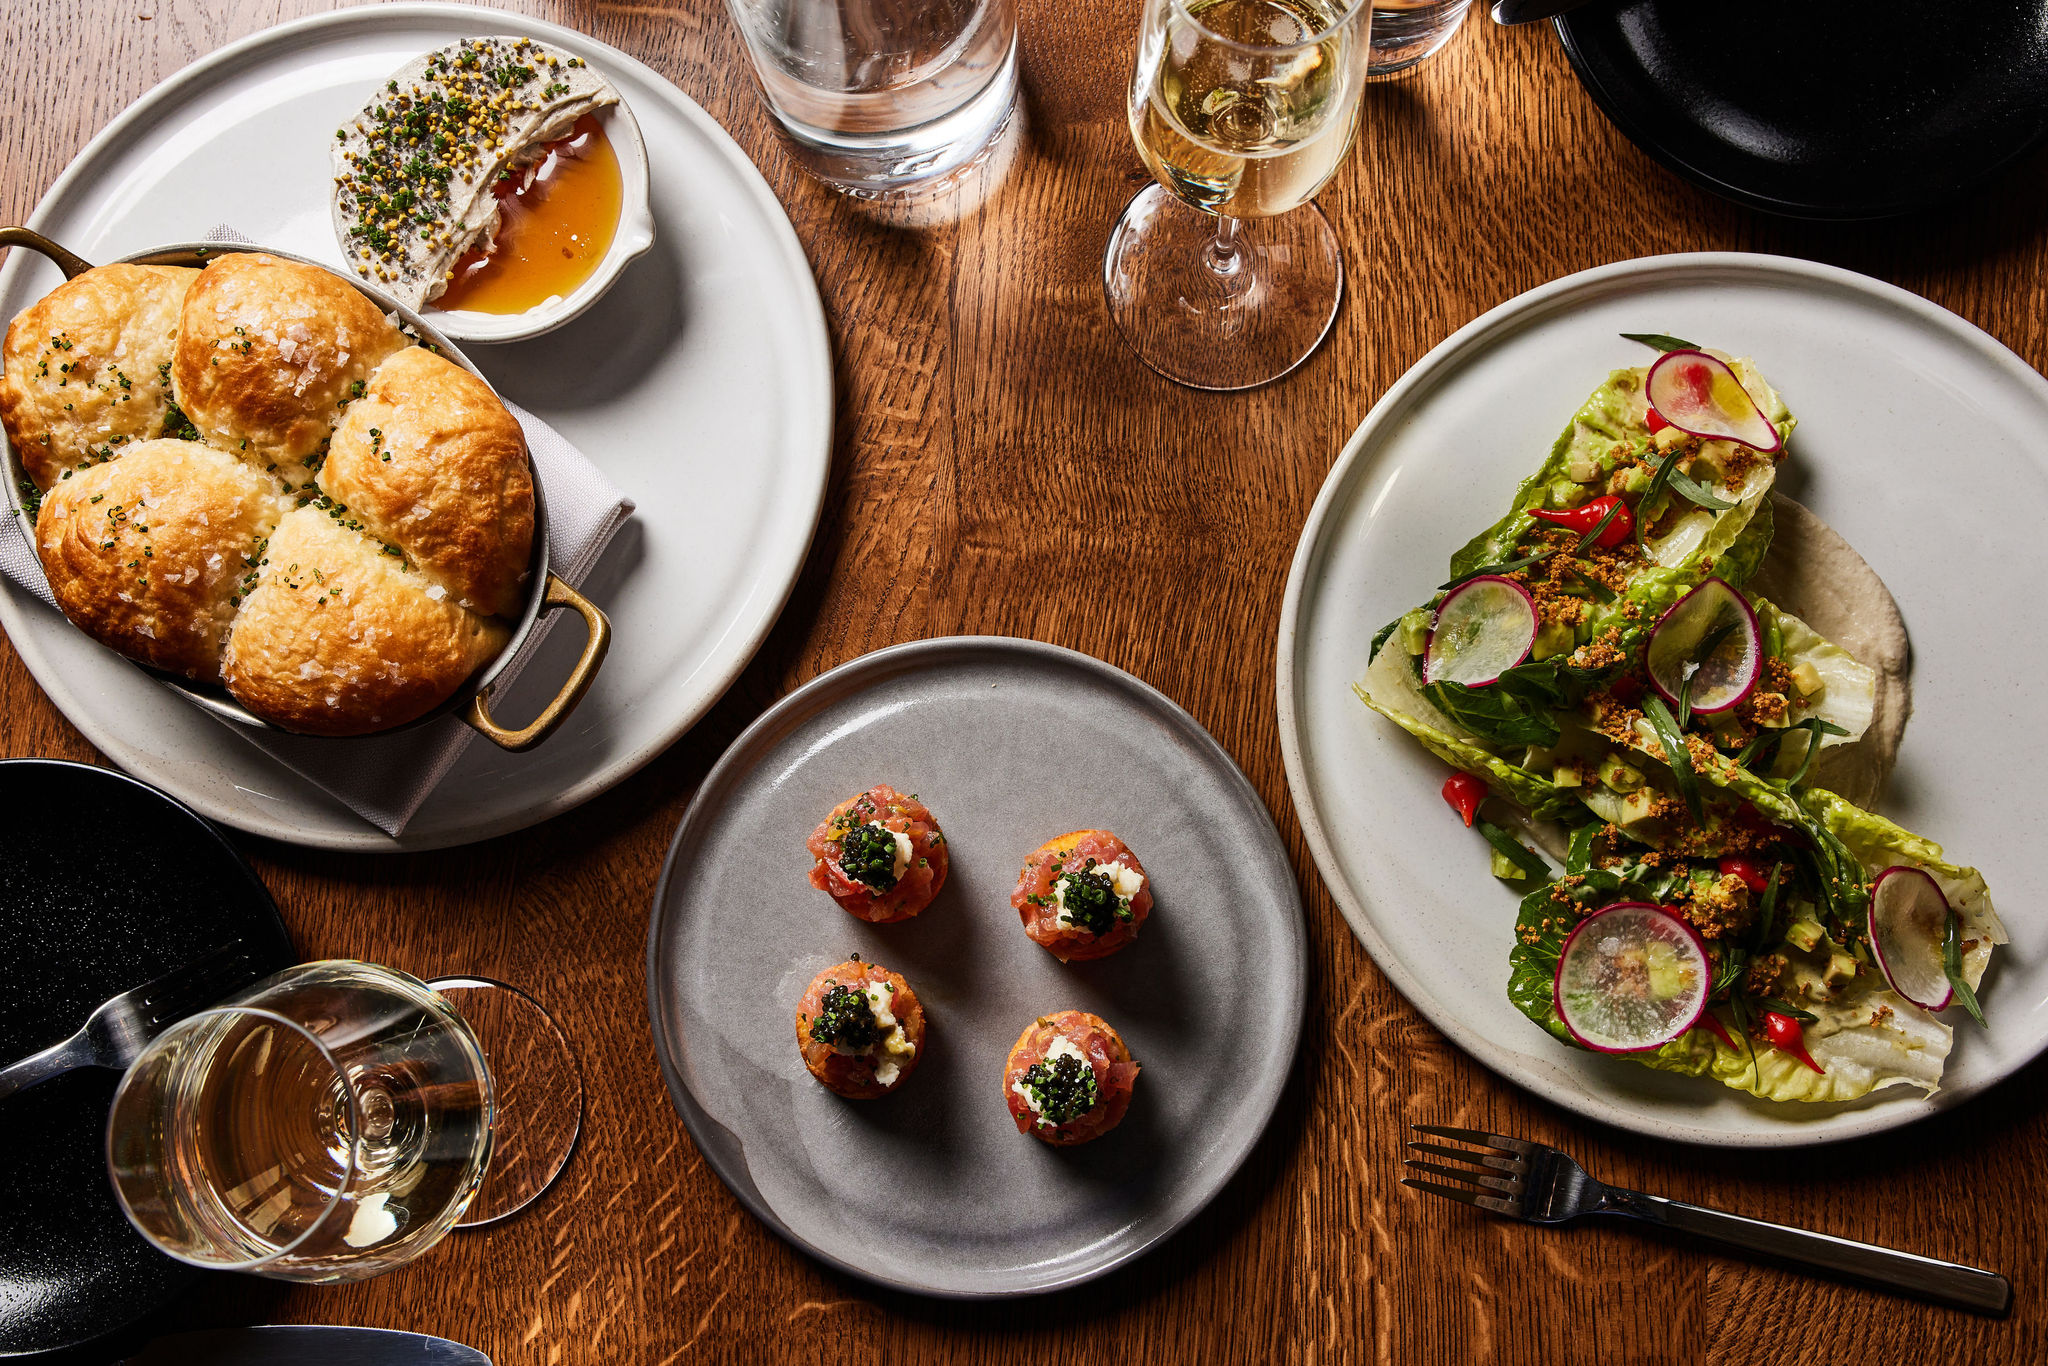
x=328, y=1124
x=1242, y=110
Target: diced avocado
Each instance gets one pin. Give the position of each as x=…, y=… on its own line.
x=1841, y=969
x=1564, y=493
x=1638, y=480
x=1638, y=805
x=1668, y=976
x=1506, y=869
x=1415, y=624
x=1554, y=638
x=1668, y=437
x=1705, y=469
x=1807, y=934
x=1583, y=469
x=1618, y=776
x=1565, y=775
x=1806, y=678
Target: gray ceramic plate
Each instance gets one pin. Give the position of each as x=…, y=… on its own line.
x=1009, y=742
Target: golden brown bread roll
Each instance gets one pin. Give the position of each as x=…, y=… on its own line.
x=147, y=553
x=269, y=352
x=342, y=637
x=87, y=367
x=430, y=460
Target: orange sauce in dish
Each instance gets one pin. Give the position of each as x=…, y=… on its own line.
x=557, y=221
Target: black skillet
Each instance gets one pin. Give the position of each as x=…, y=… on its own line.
x=1821, y=108
x=104, y=884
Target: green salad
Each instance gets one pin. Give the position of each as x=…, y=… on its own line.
x=1609, y=687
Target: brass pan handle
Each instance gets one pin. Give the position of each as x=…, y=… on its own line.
x=72, y=266
x=559, y=594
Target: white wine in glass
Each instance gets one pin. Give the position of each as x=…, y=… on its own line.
x=1242, y=110
x=329, y=1124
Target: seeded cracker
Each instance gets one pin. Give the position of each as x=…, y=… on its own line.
x=414, y=171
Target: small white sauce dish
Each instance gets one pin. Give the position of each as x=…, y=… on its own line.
x=634, y=236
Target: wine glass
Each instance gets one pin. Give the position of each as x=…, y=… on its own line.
x=1243, y=110
x=328, y=1124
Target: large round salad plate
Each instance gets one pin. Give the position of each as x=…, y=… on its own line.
x=1919, y=440
x=1009, y=742
x=701, y=385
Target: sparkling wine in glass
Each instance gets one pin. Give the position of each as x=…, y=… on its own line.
x=328, y=1124
x=1242, y=110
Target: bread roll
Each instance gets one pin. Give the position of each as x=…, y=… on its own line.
x=87, y=367
x=147, y=554
x=429, y=460
x=268, y=354
x=343, y=637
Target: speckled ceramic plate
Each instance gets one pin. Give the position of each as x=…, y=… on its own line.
x=108, y=885
x=1920, y=440
x=1010, y=742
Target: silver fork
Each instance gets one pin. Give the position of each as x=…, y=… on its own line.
x=1540, y=1185
x=116, y=1033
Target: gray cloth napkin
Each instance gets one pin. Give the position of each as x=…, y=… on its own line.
x=385, y=779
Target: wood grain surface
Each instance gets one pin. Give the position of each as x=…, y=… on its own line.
x=1003, y=465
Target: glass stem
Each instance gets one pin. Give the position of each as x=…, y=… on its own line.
x=1223, y=255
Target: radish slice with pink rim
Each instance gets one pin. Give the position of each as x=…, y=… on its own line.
x=1908, y=919
x=1726, y=676
x=1631, y=977
x=1700, y=395
x=1484, y=627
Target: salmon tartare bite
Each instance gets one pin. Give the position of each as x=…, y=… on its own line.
x=1083, y=895
x=880, y=855
x=1069, y=1079
x=860, y=1028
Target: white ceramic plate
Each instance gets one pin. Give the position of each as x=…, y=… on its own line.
x=702, y=385
x=1921, y=439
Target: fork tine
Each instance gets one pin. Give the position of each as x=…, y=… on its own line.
x=1499, y=1161
x=1469, y=1196
x=1513, y=1145
x=1511, y=1185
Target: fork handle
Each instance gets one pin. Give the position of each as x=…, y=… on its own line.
x=70, y=1055
x=1950, y=1283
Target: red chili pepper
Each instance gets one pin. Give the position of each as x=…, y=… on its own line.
x=1656, y=421
x=1711, y=1022
x=1748, y=870
x=1584, y=519
x=1464, y=792
x=1785, y=1034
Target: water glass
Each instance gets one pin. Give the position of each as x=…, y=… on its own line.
x=883, y=97
x=328, y=1124
x=1406, y=31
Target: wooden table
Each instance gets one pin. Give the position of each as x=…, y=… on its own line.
x=989, y=421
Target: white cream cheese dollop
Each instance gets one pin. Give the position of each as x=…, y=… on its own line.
x=890, y=1046
x=1062, y=1047
x=1126, y=882
x=902, y=859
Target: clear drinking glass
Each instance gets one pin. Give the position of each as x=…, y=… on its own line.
x=877, y=97
x=328, y=1124
x=1243, y=110
x=1406, y=31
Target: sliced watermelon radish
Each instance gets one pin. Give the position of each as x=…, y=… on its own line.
x=1725, y=676
x=1701, y=396
x=1908, y=917
x=1484, y=627
x=1632, y=976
